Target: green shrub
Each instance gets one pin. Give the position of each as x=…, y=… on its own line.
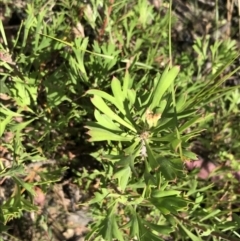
x=146, y=108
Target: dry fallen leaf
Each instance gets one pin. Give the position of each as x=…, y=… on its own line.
x=6, y=57
x=4, y=96
x=39, y=198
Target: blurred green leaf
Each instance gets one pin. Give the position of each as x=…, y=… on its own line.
x=123, y=175
x=117, y=91
x=150, y=157
x=170, y=168
x=159, y=193
x=105, y=121
x=101, y=105
x=108, y=97
x=163, y=84
x=100, y=134
x=192, y=236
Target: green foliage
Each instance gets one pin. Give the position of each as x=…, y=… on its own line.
x=141, y=119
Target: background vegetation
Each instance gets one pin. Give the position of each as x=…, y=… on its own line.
x=119, y=120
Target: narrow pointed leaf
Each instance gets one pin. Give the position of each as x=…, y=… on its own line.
x=195, y=120
x=181, y=102
x=107, y=228
x=152, y=160
x=108, y=97
x=101, y=105
x=192, y=236
x=125, y=85
x=123, y=176
x=117, y=91
x=162, y=229
x=116, y=231
x=161, y=107
x=131, y=96
x=163, y=84
x=170, y=168
x=98, y=134
x=4, y=123
x=159, y=193
x=105, y=121
x=213, y=214
x=129, y=150
x=22, y=125
x=134, y=228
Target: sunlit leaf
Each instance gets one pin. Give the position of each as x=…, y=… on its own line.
x=159, y=193
x=163, y=84
x=100, y=134
x=105, y=121
x=101, y=105
x=117, y=91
